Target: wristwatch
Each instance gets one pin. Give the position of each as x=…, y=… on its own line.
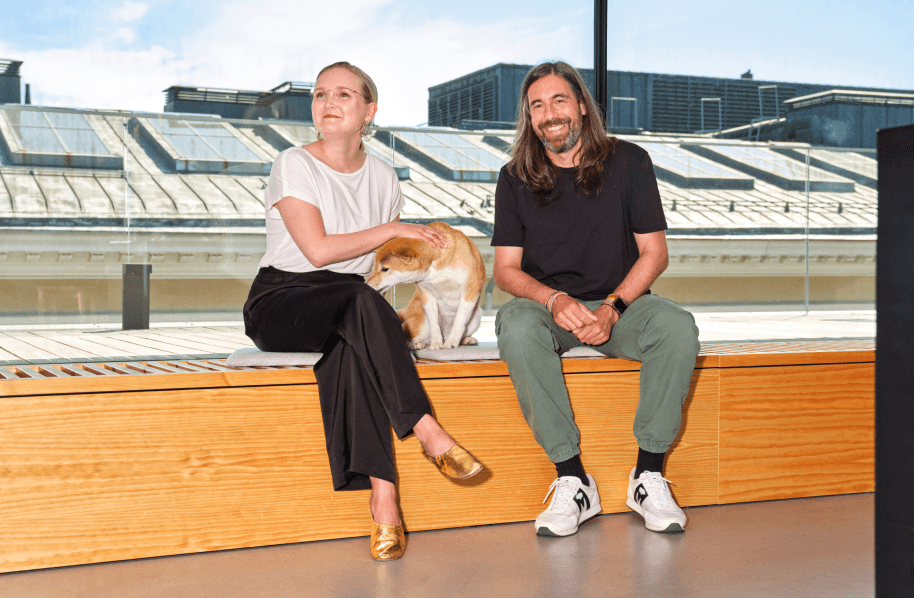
x=617, y=303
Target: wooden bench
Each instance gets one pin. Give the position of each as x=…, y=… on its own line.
x=112, y=461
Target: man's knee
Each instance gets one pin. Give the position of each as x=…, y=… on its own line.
x=520, y=322
x=673, y=325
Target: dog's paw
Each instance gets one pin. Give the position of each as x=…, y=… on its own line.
x=416, y=345
x=450, y=345
x=469, y=340
x=435, y=345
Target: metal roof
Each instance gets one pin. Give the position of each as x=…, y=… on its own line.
x=153, y=192
x=852, y=96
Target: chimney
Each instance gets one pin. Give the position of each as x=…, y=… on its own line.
x=28, y=94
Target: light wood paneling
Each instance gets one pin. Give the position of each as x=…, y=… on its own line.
x=798, y=357
x=91, y=478
x=787, y=432
x=605, y=411
x=483, y=415
x=113, y=467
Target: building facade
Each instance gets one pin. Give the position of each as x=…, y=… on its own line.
x=653, y=102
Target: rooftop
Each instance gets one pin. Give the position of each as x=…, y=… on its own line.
x=852, y=96
x=198, y=171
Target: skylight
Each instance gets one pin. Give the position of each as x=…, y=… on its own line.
x=684, y=169
x=203, y=146
x=772, y=167
x=453, y=155
x=39, y=138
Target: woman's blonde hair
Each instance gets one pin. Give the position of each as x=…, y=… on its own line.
x=369, y=91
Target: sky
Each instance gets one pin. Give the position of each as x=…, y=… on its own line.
x=116, y=54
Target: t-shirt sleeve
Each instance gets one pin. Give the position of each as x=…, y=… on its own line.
x=646, y=211
x=290, y=176
x=508, y=229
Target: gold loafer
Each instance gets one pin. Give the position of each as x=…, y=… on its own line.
x=457, y=463
x=388, y=542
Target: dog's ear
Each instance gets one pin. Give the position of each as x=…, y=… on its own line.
x=407, y=254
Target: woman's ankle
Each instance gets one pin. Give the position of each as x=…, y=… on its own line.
x=383, y=502
x=433, y=438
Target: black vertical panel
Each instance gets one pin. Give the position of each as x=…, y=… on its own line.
x=135, y=298
x=894, y=365
x=600, y=35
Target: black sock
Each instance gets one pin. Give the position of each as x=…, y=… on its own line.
x=649, y=462
x=573, y=467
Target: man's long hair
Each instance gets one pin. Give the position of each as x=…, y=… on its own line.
x=529, y=161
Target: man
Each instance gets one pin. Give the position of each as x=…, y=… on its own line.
x=579, y=238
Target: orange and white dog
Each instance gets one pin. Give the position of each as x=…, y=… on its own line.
x=444, y=311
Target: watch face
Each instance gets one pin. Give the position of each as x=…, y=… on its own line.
x=619, y=305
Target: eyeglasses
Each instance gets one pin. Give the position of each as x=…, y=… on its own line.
x=342, y=95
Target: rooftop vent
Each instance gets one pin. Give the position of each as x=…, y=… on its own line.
x=228, y=103
x=9, y=81
x=209, y=94
x=293, y=87
x=9, y=67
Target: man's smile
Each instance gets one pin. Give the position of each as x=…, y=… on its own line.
x=555, y=125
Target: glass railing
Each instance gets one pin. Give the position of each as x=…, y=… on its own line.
x=151, y=228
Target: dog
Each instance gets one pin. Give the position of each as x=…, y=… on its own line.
x=444, y=311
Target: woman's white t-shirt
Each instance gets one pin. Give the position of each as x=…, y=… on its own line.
x=348, y=203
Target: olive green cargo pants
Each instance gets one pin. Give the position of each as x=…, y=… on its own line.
x=653, y=330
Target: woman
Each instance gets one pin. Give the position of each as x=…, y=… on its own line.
x=329, y=205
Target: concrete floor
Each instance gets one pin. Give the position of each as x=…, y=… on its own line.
x=817, y=547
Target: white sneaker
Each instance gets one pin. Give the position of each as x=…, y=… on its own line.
x=572, y=504
x=650, y=497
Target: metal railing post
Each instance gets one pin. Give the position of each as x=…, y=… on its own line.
x=806, y=291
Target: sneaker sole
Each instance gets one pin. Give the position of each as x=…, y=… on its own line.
x=588, y=515
x=669, y=529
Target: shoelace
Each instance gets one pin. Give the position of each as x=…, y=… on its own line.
x=658, y=489
x=564, y=490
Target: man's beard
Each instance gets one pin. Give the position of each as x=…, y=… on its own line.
x=561, y=145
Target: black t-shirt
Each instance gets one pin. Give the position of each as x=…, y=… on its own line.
x=580, y=243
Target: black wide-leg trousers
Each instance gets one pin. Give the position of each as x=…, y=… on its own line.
x=366, y=378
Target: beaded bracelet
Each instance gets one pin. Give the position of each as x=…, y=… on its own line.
x=552, y=298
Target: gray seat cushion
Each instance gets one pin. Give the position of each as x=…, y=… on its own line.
x=255, y=357
x=251, y=357
x=470, y=352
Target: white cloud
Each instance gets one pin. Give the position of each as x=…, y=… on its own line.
x=277, y=40
x=130, y=11
x=101, y=78
x=260, y=44
x=125, y=34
